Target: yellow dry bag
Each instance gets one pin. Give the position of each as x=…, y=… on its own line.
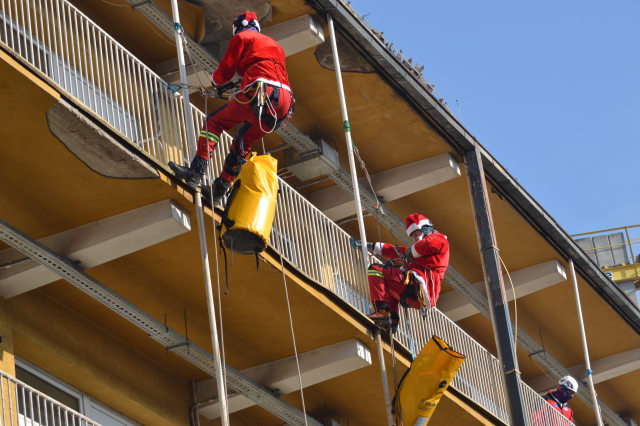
x=249, y=212
x=425, y=382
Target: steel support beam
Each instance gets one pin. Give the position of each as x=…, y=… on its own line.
x=498, y=304
x=156, y=330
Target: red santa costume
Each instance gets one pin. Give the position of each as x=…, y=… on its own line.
x=260, y=62
x=418, y=284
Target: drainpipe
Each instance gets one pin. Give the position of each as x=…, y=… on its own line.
x=203, y=238
x=356, y=195
x=594, y=397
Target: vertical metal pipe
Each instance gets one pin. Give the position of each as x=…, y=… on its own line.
x=347, y=134
x=495, y=286
x=4, y=24
x=78, y=65
x=385, y=383
x=212, y=313
x=183, y=76
x=3, y=421
x=92, y=57
x=203, y=241
x=633, y=260
x=120, y=81
x=38, y=11
x=594, y=397
x=33, y=60
x=20, y=23
x=194, y=394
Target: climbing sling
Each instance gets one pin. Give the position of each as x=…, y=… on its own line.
x=425, y=382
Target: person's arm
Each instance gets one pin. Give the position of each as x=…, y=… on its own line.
x=230, y=62
x=389, y=251
x=430, y=244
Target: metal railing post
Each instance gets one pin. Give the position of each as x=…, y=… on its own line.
x=633, y=259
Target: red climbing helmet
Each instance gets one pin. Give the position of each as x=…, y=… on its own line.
x=245, y=21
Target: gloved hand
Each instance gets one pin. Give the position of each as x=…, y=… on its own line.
x=408, y=256
x=357, y=245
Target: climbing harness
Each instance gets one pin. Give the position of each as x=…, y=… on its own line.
x=426, y=380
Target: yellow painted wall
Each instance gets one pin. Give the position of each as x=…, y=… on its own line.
x=80, y=353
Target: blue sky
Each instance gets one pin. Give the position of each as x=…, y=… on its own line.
x=551, y=88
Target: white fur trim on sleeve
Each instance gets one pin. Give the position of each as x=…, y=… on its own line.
x=414, y=252
x=377, y=248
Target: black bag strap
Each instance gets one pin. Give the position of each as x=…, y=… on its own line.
x=227, y=223
x=393, y=402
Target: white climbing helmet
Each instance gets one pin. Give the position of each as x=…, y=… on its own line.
x=569, y=383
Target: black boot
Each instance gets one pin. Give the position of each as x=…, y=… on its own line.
x=381, y=315
x=192, y=175
x=220, y=188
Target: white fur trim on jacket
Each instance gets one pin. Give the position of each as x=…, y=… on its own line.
x=377, y=248
x=414, y=252
x=424, y=288
x=416, y=226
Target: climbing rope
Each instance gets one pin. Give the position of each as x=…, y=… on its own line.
x=406, y=318
x=515, y=315
x=293, y=336
x=395, y=373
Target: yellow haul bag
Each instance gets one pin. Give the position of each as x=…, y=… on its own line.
x=248, y=216
x=425, y=382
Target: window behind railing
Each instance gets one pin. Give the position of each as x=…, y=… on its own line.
x=24, y=405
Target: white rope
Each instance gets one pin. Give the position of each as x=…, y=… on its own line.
x=293, y=336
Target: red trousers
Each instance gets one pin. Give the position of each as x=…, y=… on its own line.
x=235, y=112
x=386, y=284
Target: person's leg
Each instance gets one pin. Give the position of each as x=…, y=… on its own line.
x=385, y=286
x=221, y=120
x=252, y=131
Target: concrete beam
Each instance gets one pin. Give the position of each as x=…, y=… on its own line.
x=282, y=376
x=525, y=281
x=94, y=146
x=294, y=35
x=603, y=369
x=389, y=185
x=96, y=243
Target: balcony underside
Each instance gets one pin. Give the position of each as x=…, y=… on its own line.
x=52, y=191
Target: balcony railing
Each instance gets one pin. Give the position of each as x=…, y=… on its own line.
x=23, y=405
x=92, y=67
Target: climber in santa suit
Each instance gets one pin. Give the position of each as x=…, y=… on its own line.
x=415, y=285
x=263, y=102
